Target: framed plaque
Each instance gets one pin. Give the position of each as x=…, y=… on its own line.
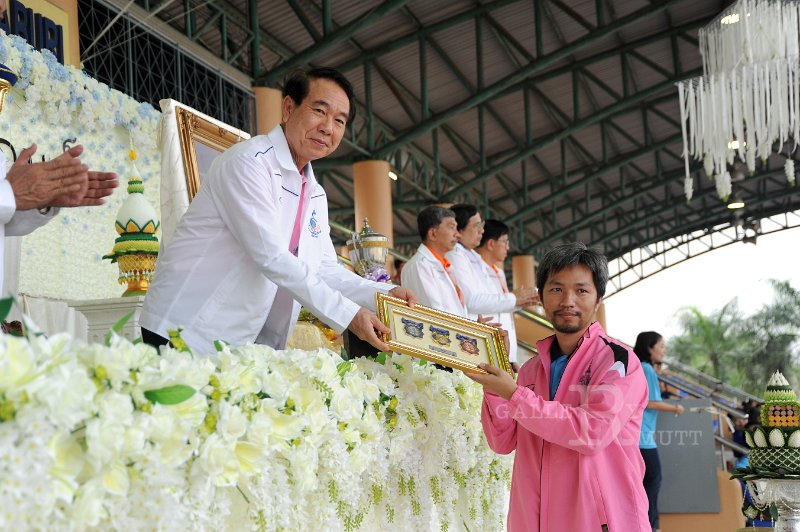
x=201, y=141
x=441, y=337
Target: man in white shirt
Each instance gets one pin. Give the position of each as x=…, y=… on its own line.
x=493, y=251
x=428, y=273
x=255, y=242
x=481, y=293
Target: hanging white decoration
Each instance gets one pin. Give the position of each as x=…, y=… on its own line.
x=789, y=169
x=748, y=98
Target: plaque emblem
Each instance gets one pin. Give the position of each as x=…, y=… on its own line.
x=413, y=328
x=440, y=336
x=468, y=345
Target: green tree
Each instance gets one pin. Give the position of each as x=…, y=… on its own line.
x=743, y=351
x=713, y=343
x=774, y=332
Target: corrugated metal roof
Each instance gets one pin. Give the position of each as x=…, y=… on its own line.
x=572, y=160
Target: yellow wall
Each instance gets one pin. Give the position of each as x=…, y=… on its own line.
x=65, y=14
x=729, y=518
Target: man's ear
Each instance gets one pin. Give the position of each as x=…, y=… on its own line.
x=431, y=234
x=287, y=106
x=597, y=305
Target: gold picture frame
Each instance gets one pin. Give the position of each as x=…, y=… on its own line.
x=441, y=337
x=197, y=136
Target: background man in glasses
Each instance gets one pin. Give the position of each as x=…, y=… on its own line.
x=482, y=295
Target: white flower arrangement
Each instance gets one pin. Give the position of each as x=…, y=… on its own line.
x=119, y=437
x=50, y=103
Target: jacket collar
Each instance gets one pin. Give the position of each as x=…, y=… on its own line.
x=427, y=255
x=593, y=331
x=284, y=156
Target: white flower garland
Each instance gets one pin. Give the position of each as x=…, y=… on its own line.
x=50, y=103
x=270, y=440
x=749, y=96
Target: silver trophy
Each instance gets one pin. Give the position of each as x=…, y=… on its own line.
x=785, y=494
x=367, y=250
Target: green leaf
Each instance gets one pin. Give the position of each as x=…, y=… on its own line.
x=5, y=307
x=176, y=340
x=220, y=345
x=171, y=395
x=117, y=327
x=343, y=353
x=381, y=358
x=344, y=367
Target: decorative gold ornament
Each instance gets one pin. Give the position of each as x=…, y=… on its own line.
x=136, y=249
x=7, y=80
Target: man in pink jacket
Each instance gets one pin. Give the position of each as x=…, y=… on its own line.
x=575, y=413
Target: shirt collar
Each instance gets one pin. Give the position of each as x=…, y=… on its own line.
x=284, y=156
x=442, y=260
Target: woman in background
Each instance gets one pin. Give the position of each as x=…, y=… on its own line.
x=650, y=348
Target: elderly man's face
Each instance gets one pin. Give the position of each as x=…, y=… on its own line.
x=315, y=128
x=443, y=237
x=470, y=237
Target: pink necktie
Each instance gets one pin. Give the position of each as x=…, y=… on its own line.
x=294, y=243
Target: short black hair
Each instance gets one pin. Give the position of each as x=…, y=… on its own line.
x=431, y=217
x=493, y=230
x=463, y=213
x=572, y=254
x=644, y=342
x=297, y=85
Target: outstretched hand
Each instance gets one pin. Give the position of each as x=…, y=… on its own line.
x=495, y=380
x=405, y=294
x=367, y=326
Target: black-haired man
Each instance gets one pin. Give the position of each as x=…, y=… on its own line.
x=428, y=273
x=255, y=242
x=575, y=413
x=480, y=294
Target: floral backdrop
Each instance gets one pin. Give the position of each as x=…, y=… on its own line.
x=117, y=437
x=50, y=103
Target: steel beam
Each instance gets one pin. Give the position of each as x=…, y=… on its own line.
x=512, y=79
x=329, y=41
x=576, y=126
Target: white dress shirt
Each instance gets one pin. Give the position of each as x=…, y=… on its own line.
x=12, y=221
x=426, y=276
x=480, y=298
x=495, y=283
x=229, y=256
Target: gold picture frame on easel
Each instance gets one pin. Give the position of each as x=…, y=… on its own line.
x=201, y=141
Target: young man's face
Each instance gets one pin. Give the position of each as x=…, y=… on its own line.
x=470, y=236
x=499, y=248
x=315, y=128
x=570, y=299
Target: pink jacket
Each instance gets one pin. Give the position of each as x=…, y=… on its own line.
x=577, y=466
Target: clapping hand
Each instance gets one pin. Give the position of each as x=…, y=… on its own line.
x=100, y=185
x=60, y=182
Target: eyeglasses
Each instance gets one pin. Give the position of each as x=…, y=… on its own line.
x=503, y=241
x=477, y=225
